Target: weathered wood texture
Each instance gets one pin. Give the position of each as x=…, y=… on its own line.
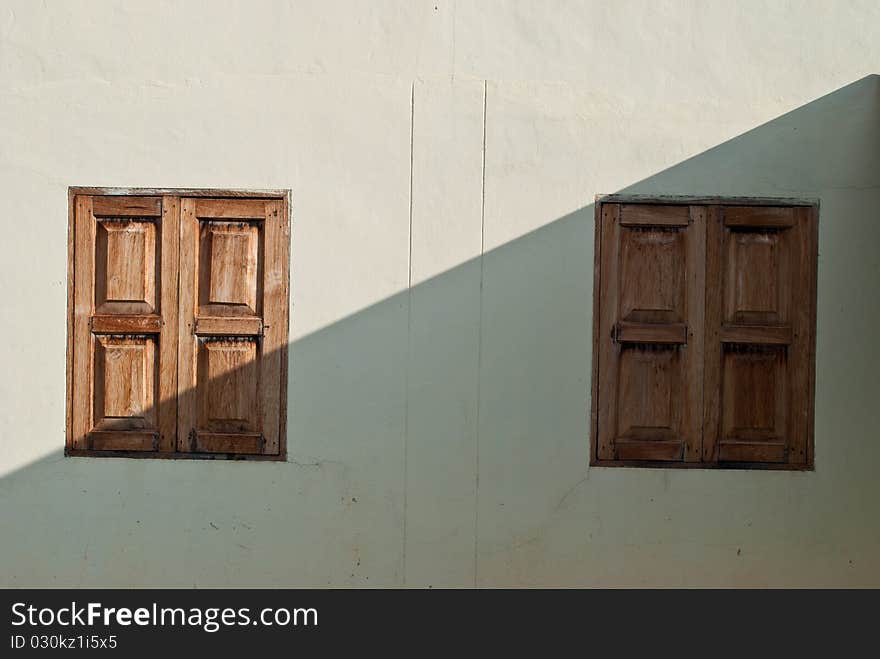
x=122, y=359
x=233, y=278
x=178, y=323
x=650, y=361
x=706, y=332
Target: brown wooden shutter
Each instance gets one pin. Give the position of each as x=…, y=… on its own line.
x=705, y=333
x=758, y=373
x=651, y=332
x=233, y=325
x=123, y=377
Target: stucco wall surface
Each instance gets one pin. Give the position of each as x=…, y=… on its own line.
x=443, y=158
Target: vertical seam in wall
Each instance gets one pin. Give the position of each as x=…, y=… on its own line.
x=480, y=342
x=409, y=281
x=453, y=39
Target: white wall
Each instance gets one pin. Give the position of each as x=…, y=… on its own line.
x=443, y=158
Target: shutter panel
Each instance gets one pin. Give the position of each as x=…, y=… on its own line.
x=124, y=323
x=233, y=323
x=651, y=332
x=759, y=334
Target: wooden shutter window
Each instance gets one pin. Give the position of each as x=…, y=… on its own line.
x=232, y=325
x=124, y=324
x=178, y=324
x=651, y=327
x=704, y=333
x=759, y=340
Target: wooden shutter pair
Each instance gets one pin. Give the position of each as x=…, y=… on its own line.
x=704, y=333
x=177, y=324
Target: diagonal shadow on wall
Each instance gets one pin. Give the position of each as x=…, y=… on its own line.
x=440, y=436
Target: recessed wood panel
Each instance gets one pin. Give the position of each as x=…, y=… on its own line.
x=233, y=268
x=757, y=279
x=126, y=261
x=125, y=379
x=229, y=268
x=125, y=266
x=650, y=385
x=754, y=393
x=652, y=275
x=227, y=385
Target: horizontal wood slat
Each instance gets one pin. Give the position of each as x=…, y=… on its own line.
x=232, y=193
x=228, y=326
x=125, y=324
x=228, y=443
x=635, y=215
x=755, y=334
x=669, y=333
x=226, y=209
x=649, y=449
x=127, y=206
x=121, y=440
x=758, y=217
x=745, y=451
x=689, y=200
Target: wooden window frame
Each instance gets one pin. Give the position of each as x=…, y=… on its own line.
x=279, y=195
x=811, y=206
